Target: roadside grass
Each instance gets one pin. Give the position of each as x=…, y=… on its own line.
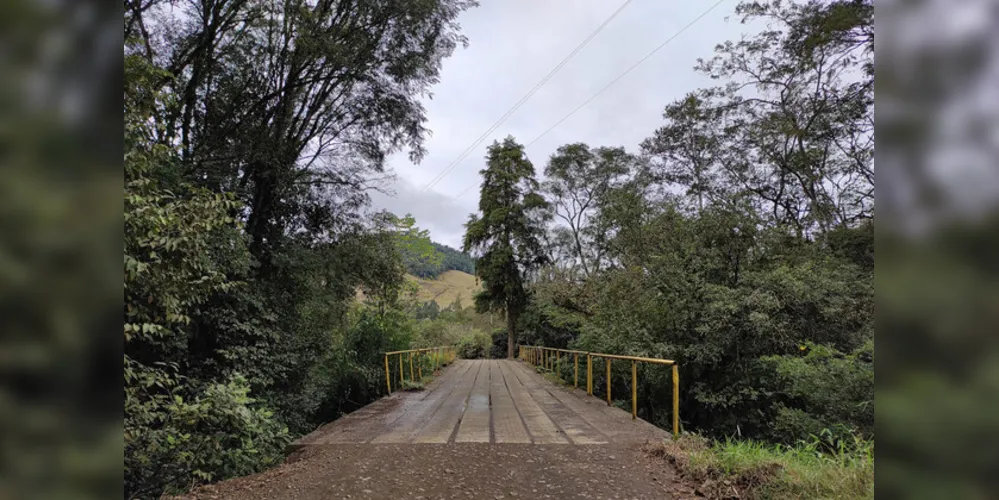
x=416, y=385
x=552, y=378
x=750, y=469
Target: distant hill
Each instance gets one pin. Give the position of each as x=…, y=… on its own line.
x=446, y=287
x=441, y=278
x=449, y=260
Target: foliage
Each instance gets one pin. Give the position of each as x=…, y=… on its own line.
x=172, y=443
x=497, y=348
x=828, y=391
x=757, y=470
x=475, y=345
x=506, y=233
x=577, y=179
x=178, y=433
x=294, y=106
x=427, y=310
x=455, y=259
x=461, y=327
x=419, y=254
x=740, y=243
x=444, y=258
x=253, y=131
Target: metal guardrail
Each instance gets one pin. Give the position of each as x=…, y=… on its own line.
x=549, y=358
x=437, y=357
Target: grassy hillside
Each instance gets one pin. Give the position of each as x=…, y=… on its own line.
x=446, y=287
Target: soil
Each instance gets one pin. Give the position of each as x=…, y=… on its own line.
x=458, y=471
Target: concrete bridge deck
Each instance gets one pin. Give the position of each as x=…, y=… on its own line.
x=488, y=401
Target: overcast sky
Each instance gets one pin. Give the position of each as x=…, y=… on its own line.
x=515, y=43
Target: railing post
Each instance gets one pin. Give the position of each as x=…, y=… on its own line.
x=589, y=374
x=558, y=372
x=419, y=367
x=608, y=382
x=401, y=376
x=388, y=378
x=575, y=375
x=634, y=390
x=411, y=378
x=676, y=401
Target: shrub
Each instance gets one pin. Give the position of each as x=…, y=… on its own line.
x=499, y=341
x=825, y=392
x=172, y=443
x=474, y=345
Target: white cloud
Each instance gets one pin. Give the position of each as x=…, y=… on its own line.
x=513, y=44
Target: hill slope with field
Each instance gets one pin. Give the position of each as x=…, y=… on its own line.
x=446, y=287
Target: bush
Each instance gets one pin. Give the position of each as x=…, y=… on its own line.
x=172, y=444
x=474, y=345
x=825, y=391
x=499, y=342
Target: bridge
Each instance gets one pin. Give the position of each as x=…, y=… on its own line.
x=488, y=401
x=486, y=429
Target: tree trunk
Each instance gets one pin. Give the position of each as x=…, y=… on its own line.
x=511, y=331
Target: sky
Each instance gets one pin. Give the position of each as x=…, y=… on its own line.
x=513, y=44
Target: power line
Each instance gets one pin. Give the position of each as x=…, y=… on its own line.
x=451, y=166
x=612, y=82
x=462, y=193
x=622, y=75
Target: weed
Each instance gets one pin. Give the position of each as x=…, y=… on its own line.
x=416, y=385
x=757, y=470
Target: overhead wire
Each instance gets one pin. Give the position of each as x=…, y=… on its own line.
x=464, y=154
x=612, y=82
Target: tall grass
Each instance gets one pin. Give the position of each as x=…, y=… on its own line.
x=820, y=468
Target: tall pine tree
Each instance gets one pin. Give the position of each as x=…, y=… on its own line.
x=505, y=234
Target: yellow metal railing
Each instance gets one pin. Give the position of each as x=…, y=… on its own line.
x=434, y=356
x=549, y=358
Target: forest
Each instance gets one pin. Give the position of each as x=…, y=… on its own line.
x=736, y=239
x=443, y=259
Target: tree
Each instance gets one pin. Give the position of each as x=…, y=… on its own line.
x=506, y=233
x=294, y=106
x=413, y=243
x=745, y=249
x=686, y=149
x=577, y=179
x=792, y=127
x=253, y=133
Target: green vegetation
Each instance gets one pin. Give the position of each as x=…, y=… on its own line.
x=252, y=131
x=445, y=259
x=738, y=242
x=506, y=233
x=455, y=325
x=735, y=468
x=422, y=257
